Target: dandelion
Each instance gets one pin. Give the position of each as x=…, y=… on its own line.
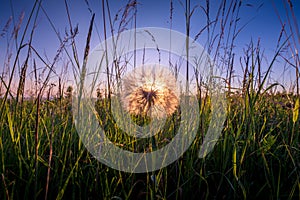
x=150, y=91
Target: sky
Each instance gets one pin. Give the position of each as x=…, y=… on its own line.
x=259, y=17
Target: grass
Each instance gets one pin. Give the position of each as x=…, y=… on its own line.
x=256, y=157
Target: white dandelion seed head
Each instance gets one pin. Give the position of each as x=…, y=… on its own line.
x=150, y=90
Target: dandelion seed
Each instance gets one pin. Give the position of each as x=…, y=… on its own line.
x=150, y=91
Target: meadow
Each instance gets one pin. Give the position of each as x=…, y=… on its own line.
x=256, y=157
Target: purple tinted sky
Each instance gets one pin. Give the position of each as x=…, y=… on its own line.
x=262, y=22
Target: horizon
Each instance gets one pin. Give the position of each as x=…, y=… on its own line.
x=253, y=15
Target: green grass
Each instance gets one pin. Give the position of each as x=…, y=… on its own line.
x=256, y=157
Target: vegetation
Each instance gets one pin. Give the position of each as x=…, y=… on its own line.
x=256, y=157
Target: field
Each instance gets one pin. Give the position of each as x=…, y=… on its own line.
x=256, y=157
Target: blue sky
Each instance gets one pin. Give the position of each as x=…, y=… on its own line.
x=260, y=17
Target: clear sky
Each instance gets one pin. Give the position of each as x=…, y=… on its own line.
x=260, y=17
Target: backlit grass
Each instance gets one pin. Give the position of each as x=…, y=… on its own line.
x=256, y=157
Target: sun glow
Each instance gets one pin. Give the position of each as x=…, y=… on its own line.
x=150, y=91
